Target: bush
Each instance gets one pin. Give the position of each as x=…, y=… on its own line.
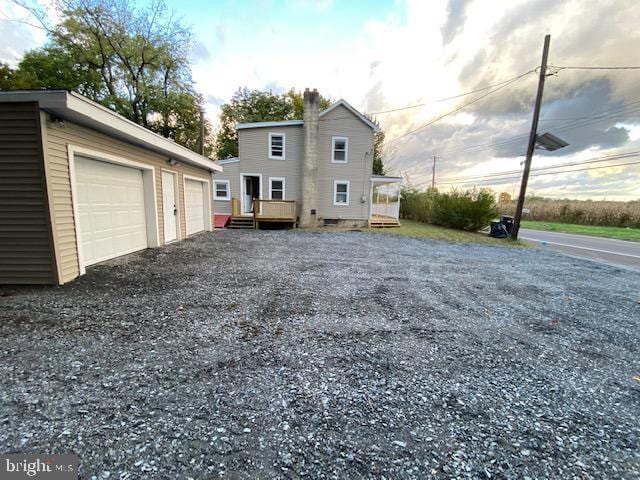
x=464, y=210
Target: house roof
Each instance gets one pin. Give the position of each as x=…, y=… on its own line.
x=224, y=161
x=385, y=179
x=76, y=108
x=286, y=123
x=346, y=104
x=283, y=123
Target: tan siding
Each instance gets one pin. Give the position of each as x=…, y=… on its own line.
x=26, y=251
x=340, y=122
x=232, y=173
x=254, y=158
x=58, y=137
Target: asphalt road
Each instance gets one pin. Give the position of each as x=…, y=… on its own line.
x=605, y=250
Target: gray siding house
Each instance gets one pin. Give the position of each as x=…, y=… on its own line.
x=317, y=171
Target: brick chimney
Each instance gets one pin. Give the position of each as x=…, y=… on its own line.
x=310, y=160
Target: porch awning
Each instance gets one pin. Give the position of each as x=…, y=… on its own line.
x=382, y=179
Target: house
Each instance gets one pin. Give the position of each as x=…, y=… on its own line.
x=317, y=171
x=80, y=184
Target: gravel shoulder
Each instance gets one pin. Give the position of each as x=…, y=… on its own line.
x=287, y=354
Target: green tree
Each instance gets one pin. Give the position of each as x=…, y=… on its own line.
x=132, y=60
x=297, y=100
x=248, y=106
x=256, y=106
x=52, y=67
x=378, y=150
x=6, y=77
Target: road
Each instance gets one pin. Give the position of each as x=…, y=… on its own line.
x=605, y=250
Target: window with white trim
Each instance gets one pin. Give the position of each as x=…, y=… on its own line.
x=339, y=149
x=276, y=146
x=222, y=190
x=341, y=192
x=276, y=188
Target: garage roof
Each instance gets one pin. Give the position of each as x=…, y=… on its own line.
x=78, y=109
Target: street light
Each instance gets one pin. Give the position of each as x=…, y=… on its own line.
x=549, y=142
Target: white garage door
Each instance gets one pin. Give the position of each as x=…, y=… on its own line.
x=111, y=209
x=194, y=206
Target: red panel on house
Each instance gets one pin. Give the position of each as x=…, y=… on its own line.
x=221, y=221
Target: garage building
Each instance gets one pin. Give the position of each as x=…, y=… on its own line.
x=80, y=184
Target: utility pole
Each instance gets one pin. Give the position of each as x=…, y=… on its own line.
x=201, y=132
x=532, y=139
x=433, y=173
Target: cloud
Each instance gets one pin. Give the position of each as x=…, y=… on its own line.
x=199, y=53
x=457, y=14
x=15, y=38
x=411, y=52
x=213, y=100
x=312, y=4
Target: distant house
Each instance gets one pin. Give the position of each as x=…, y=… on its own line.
x=80, y=184
x=317, y=171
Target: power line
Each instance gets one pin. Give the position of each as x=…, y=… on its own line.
x=499, y=180
x=594, y=67
x=431, y=122
x=434, y=101
x=606, y=158
x=447, y=98
x=602, y=115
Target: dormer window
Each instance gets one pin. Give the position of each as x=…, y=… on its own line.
x=276, y=146
x=339, y=149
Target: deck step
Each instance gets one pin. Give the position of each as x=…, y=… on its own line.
x=241, y=223
x=383, y=223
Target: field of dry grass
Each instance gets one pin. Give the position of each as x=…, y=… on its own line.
x=580, y=212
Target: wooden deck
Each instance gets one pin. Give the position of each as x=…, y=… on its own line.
x=274, y=211
x=380, y=221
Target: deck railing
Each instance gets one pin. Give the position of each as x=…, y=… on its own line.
x=274, y=210
x=235, y=207
x=386, y=209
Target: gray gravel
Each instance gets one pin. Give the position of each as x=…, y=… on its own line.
x=328, y=355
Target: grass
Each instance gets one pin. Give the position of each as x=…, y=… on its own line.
x=414, y=229
x=620, y=233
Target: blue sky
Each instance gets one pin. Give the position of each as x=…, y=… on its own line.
x=381, y=55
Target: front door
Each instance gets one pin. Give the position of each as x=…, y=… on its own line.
x=251, y=191
x=170, y=212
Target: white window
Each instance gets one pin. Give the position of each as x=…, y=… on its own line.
x=276, y=188
x=276, y=146
x=339, y=149
x=341, y=192
x=222, y=190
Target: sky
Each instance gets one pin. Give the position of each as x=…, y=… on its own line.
x=384, y=55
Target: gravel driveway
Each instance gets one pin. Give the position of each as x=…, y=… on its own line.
x=328, y=355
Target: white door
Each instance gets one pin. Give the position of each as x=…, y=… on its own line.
x=169, y=207
x=111, y=209
x=248, y=194
x=194, y=206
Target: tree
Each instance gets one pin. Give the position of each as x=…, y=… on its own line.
x=52, y=67
x=134, y=61
x=256, y=106
x=378, y=150
x=297, y=99
x=504, y=197
x=6, y=77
